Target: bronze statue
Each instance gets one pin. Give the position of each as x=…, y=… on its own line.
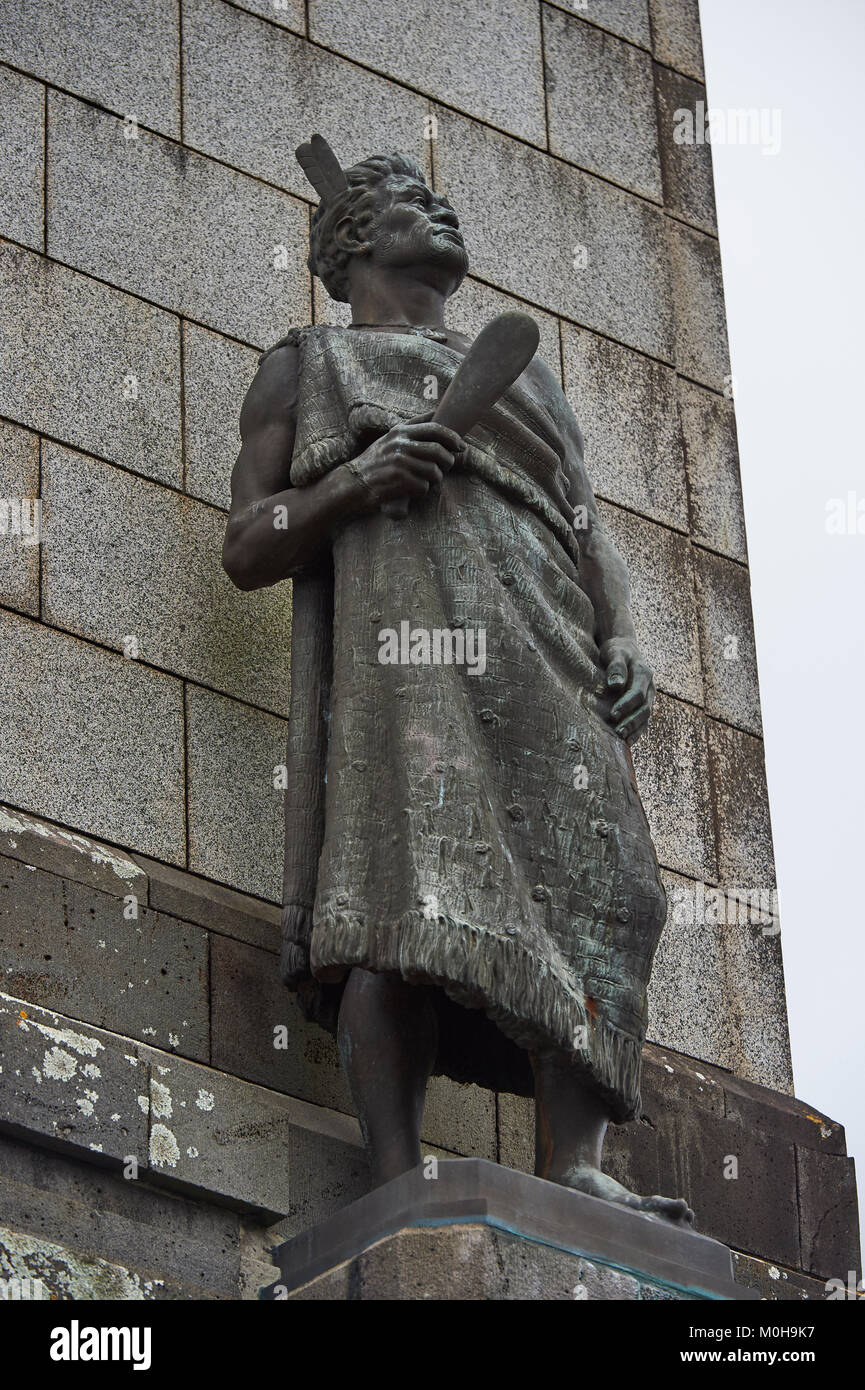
x=470, y=884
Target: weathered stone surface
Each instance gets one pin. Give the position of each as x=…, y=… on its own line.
x=19, y=519
x=702, y=352
x=242, y=76
x=68, y=947
x=717, y=987
x=486, y=60
x=776, y=1284
x=678, y=808
x=244, y=244
x=474, y=304
x=627, y=18
x=689, y=191
x=52, y=1067
x=727, y=641
x=828, y=1214
x=114, y=765
x=216, y=376
x=128, y=559
x=767, y=1111
x=624, y=288
x=236, y=822
x=89, y=365
x=745, y=857
x=61, y=1273
x=676, y=31
x=742, y=1186
x=661, y=578
x=601, y=102
x=123, y=55
x=245, y=1143
x=467, y=1263
x=516, y=1127
x=22, y=112
x=758, y=1003
x=209, y=904
x=626, y=406
x=688, y=1006
x=712, y=463
x=183, y=1248
x=289, y=14
x=75, y=857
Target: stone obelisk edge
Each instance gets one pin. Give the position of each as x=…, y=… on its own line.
x=474, y=1191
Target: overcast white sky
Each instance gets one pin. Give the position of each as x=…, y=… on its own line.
x=791, y=229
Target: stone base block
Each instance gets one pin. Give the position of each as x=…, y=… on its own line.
x=476, y=1230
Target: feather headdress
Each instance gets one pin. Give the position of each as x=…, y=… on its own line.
x=322, y=168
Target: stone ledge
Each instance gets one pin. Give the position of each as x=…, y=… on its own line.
x=455, y=1225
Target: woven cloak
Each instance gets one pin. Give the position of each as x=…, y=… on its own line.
x=474, y=829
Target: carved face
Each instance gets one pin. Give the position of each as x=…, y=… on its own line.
x=415, y=226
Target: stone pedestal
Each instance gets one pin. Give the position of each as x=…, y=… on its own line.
x=475, y=1230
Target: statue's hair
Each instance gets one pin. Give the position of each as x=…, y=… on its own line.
x=329, y=261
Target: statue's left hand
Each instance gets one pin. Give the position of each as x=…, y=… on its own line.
x=630, y=678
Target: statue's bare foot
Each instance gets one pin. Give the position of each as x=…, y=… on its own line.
x=585, y=1178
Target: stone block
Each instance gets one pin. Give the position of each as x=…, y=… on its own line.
x=712, y=464
x=252, y=93
x=61, y=1273
x=828, y=1215
x=689, y=191
x=248, y=1145
x=244, y=244
x=22, y=113
x=627, y=408
x=672, y=768
x=516, y=1132
x=688, y=1006
x=745, y=856
x=69, y=1084
x=112, y=764
x=124, y=55
x=245, y=1039
x=289, y=14
x=742, y=1186
x=676, y=32
x=128, y=559
x=727, y=641
x=627, y=18
x=661, y=578
x=484, y=60
x=87, y=364
x=767, y=1111
x=220, y=909
x=217, y=374
x=601, y=103
x=602, y=258
x=774, y=1284
x=74, y=857
x=236, y=819
x=20, y=525
x=702, y=352
x=474, y=304
x=68, y=947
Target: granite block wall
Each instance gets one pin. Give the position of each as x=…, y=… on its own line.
x=153, y=230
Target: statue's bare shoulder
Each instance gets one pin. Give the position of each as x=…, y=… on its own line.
x=268, y=420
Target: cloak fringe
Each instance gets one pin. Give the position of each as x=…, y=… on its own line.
x=498, y=974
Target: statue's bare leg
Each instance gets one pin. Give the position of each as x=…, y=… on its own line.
x=387, y=1036
x=571, y=1122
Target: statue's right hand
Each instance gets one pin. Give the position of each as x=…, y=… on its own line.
x=408, y=461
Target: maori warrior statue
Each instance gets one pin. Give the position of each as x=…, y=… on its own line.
x=470, y=884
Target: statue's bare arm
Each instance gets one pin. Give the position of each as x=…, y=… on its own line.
x=275, y=530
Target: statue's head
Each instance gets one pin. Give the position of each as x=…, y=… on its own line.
x=381, y=210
